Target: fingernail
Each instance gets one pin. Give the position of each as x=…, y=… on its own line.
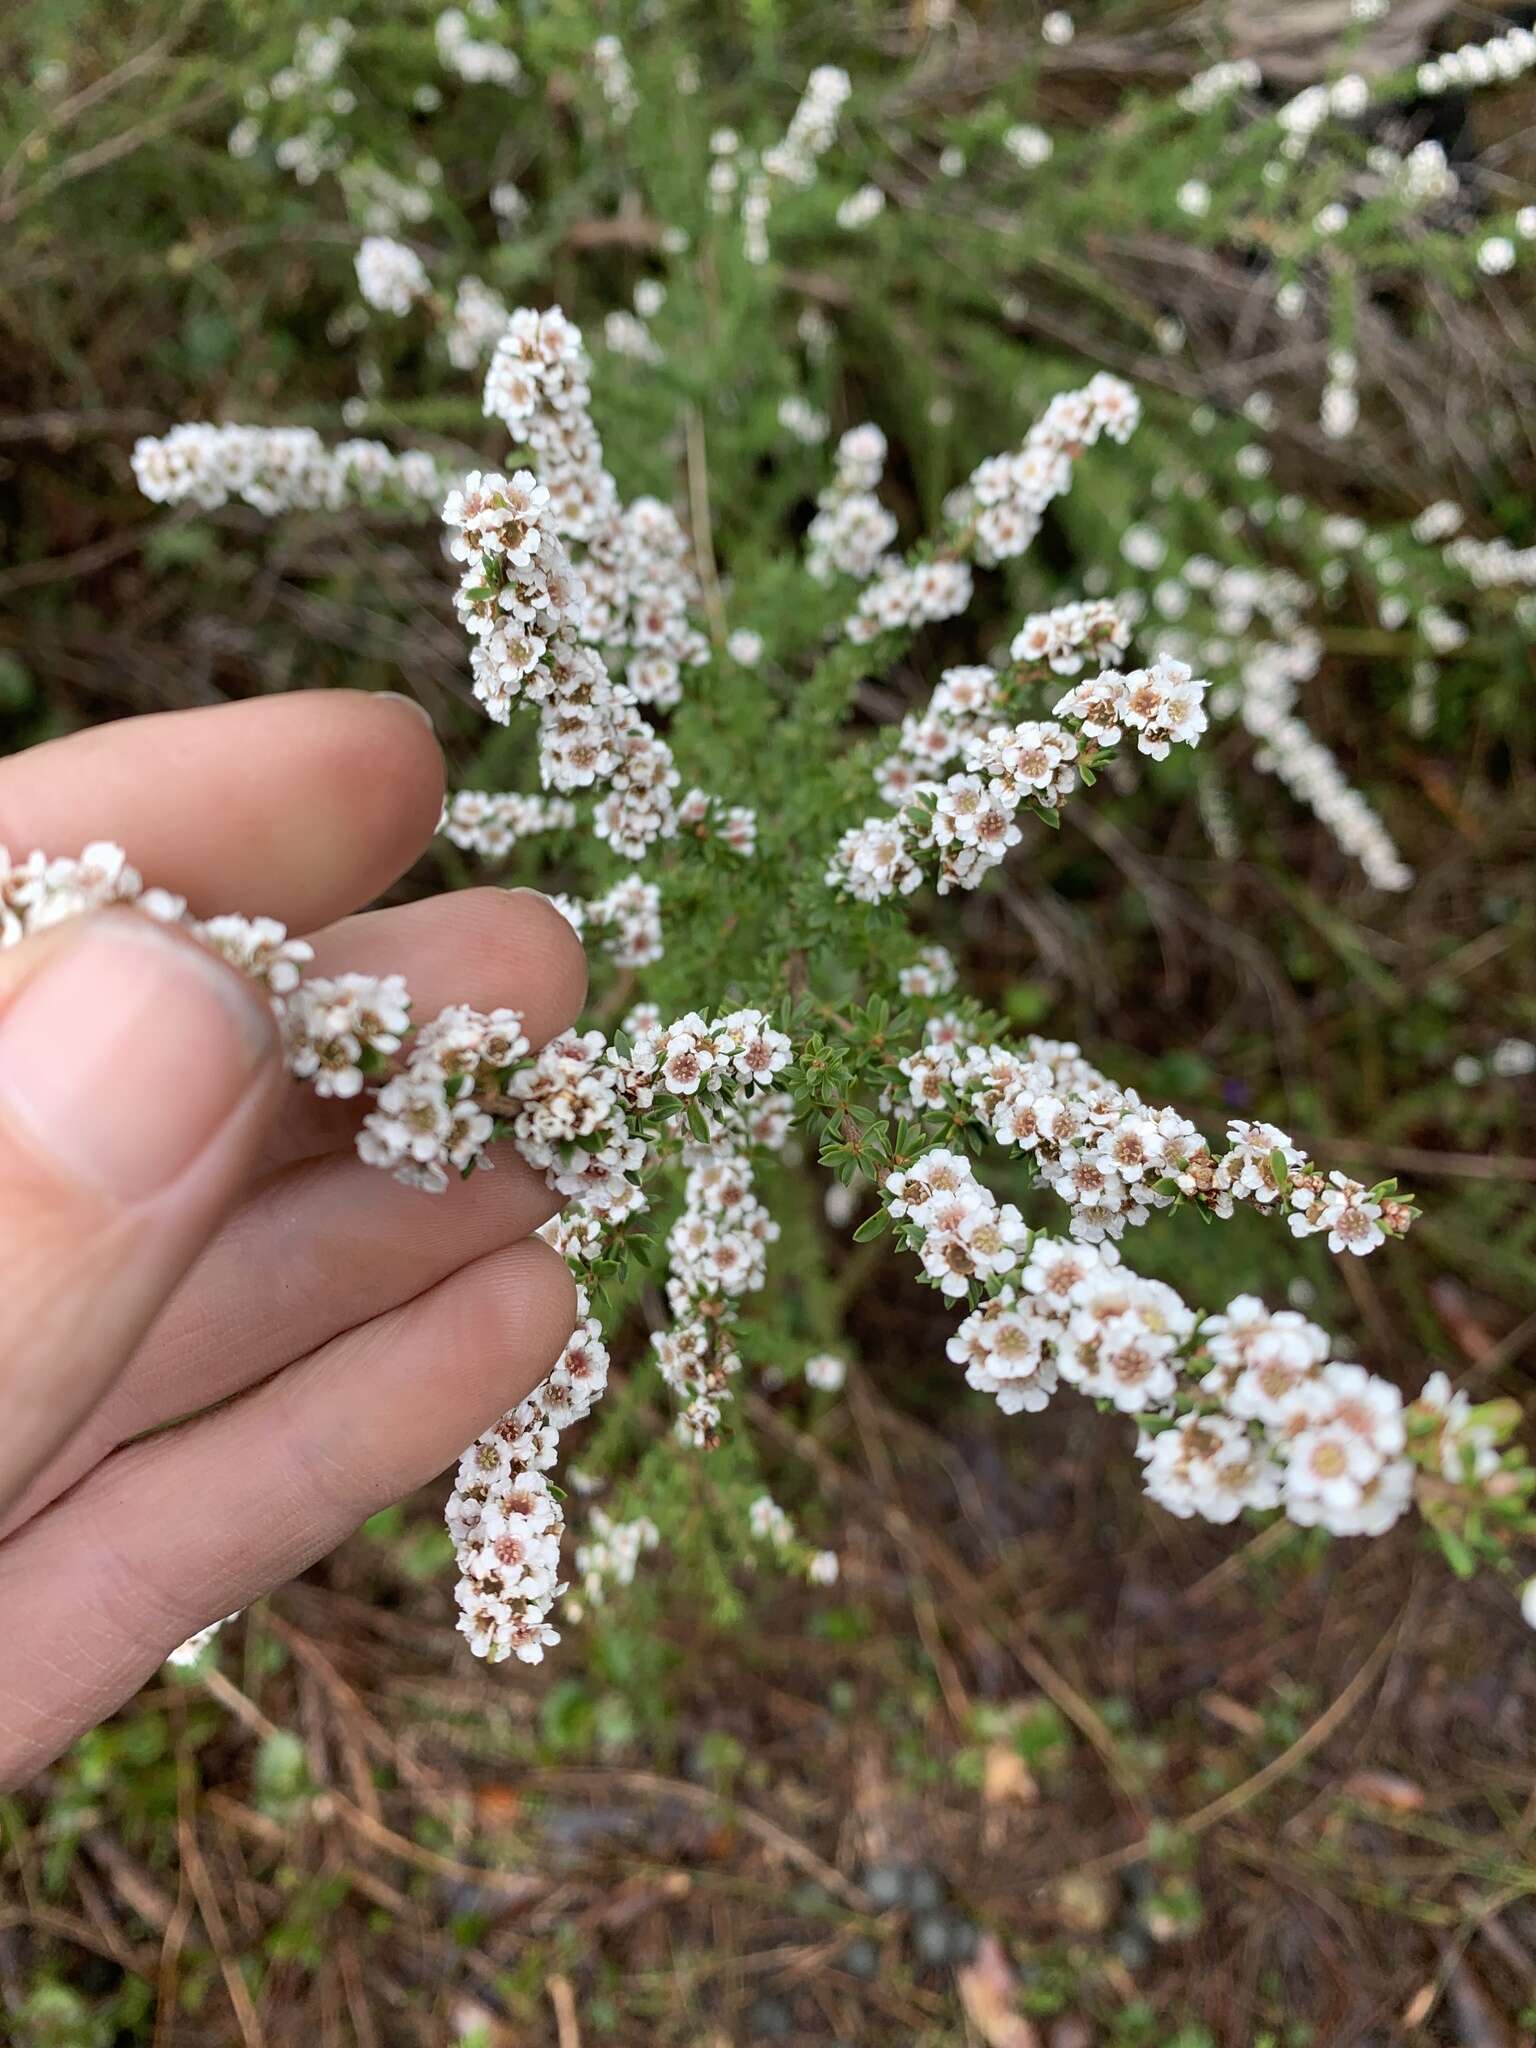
x=399, y=697
x=124, y=1053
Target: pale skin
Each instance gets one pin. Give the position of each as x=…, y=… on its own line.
x=224, y=1342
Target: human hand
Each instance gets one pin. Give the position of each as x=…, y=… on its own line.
x=190, y=1238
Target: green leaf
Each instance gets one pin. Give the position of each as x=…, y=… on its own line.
x=1457, y=1554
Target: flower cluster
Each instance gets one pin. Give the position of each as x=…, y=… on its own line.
x=1004, y=502
x=1493, y=564
x=1309, y=770
x=1115, y=1159
x=506, y=1520
x=592, y=1116
x=542, y=626
x=279, y=469
x=257, y=946
x=523, y=602
x=995, y=515
x=339, y=1030
x=1241, y=1410
x=1071, y=635
x=626, y=334
x=789, y=162
x=702, y=816
x=972, y=702
x=852, y=530
x=1421, y=178
x=768, y=1523
x=615, y=79
x=610, y=1557
x=904, y=595
x=308, y=82
x=1460, y=1442
x=1337, y=1429
x=964, y=826
x=43, y=890
x=477, y=323
x=1258, y=624
x=1219, y=82
x=812, y=128
x=390, y=276
x=1500, y=58
x=1029, y=146
x=492, y=824
x=717, y=1080
x=964, y=1236
x=1164, y=706
x=1246, y=1409
x=626, y=917
x=538, y=387
x=717, y=1252
x=470, y=57
x=931, y=975
x=584, y=1113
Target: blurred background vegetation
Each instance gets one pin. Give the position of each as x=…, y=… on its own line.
x=1047, y=1766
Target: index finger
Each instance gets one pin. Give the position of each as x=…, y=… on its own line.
x=299, y=807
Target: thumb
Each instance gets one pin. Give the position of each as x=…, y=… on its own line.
x=137, y=1077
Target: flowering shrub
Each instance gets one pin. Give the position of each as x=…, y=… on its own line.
x=761, y=767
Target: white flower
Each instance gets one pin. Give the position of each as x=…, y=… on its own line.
x=260, y=947
x=769, y=1524
x=1249, y=1167
x=1468, y=1450
x=802, y=420
x=1344, y=1210
x=1218, y=82
x=1027, y=145
x=1344, y=1467
x=1208, y=1465
x=1004, y=1347
x=1123, y=1339
x=390, y=276
x=932, y=974
x=861, y=207
x=333, y=1029
x=189, y=1653
x=937, y=1175
x=826, y=1372
x=873, y=861
x=1164, y=705
x=473, y=59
